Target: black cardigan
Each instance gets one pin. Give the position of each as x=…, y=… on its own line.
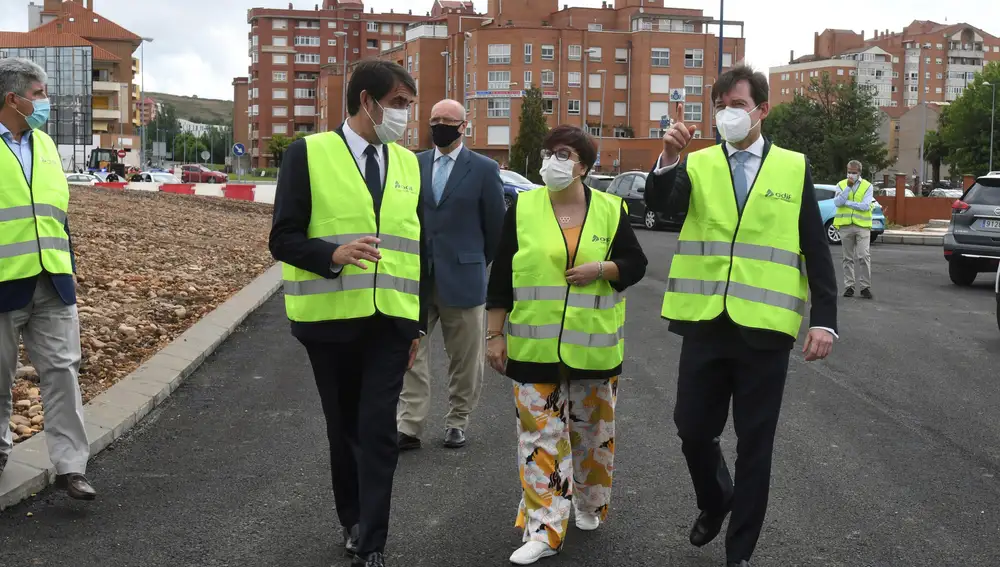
x=626, y=253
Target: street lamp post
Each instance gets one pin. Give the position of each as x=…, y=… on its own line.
x=604, y=90
x=993, y=110
x=510, y=124
x=142, y=100
x=447, y=73
x=343, y=97
x=722, y=25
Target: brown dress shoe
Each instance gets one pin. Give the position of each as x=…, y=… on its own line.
x=76, y=486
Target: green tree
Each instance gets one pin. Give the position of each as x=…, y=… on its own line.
x=187, y=148
x=831, y=124
x=526, y=154
x=934, y=153
x=964, y=126
x=164, y=128
x=277, y=146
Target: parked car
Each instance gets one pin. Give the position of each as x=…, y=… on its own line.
x=825, y=195
x=598, y=181
x=514, y=183
x=631, y=187
x=198, y=173
x=972, y=243
x=156, y=177
x=82, y=179
x=891, y=192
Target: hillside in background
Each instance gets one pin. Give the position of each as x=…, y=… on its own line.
x=201, y=110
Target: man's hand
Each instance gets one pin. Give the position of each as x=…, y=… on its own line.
x=676, y=138
x=818, y=345
x=582, y=275
x=413, y=353
x=354, y=252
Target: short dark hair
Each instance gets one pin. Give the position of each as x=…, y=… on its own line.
x=378, y=77
x=573, y=137
x=742, y=72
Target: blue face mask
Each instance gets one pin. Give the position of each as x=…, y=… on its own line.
x=40, y=114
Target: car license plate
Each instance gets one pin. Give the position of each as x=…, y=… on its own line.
x=991, y=223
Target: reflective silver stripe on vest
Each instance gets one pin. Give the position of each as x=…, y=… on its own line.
x=558, y=293
x=27, y=212
x=388, y=242
x=31, y=247
x=738, y=290
x=847, y=216
x=578, y=338
x=351, y=283
x=535, y=331
x=741, y=250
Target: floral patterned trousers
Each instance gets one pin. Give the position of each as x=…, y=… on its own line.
x=566, y=450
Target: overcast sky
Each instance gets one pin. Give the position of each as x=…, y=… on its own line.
x=200, y=45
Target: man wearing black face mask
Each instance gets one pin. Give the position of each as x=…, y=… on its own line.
x=462, y=196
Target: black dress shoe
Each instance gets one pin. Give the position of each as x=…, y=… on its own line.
x=76, y=486
x=867, y=293
x=454, y=438
x=374, y=559
x=743, y=563
x=707, y=526
x=849, y=292
x=351, y=537
x=407, y=442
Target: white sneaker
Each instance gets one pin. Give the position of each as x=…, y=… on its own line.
x=587, y=522
x=531, y=552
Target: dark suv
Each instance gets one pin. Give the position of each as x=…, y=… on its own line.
x=972, y=243
x=631, y=187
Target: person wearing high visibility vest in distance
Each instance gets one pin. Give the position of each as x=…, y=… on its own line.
x=854, y=221
x=348, y=231
x=751, y=249
x=565, y=258
x=37, y=286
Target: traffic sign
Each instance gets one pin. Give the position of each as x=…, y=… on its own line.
x=239, y=149
x=677, y=95
x=664, y=122
x=121, y=154
x=205, y=155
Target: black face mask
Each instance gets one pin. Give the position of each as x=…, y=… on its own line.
x=443, y=134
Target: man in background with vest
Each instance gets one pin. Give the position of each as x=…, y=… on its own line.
x=37, y=289
x=854, y=220
x=347, y=228
x=751, y=249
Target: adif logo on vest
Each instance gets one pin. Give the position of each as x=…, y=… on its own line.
x=786, y=197
x=404, y=188
x=602, y=239
x=50, y=161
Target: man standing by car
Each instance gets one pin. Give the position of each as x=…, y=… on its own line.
x=854, y=221
x=463, y=201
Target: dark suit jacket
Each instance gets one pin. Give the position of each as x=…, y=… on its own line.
x=289, y=243
x=671, y=193
x=463, y=230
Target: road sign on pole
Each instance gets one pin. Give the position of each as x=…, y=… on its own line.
x=239, y=149
x=205, y=155
x=677, y=95
x=121, y=154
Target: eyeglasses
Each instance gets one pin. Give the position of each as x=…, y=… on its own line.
x=560, y=155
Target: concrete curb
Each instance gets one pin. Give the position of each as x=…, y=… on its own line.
x=109, y=415
x=913, y=238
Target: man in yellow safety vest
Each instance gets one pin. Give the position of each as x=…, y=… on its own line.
x=854, y=221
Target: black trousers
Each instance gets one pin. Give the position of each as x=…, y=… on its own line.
x=711, y=372
x=359, y=383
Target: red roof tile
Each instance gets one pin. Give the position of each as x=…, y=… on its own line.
x=88, y=24
x=45, y=39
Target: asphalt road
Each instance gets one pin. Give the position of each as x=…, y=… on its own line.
x=888, y=454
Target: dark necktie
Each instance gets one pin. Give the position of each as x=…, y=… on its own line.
x=373, y=177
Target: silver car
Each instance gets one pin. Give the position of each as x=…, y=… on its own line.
x=972, y=243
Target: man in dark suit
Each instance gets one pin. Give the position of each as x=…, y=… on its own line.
x=463, y=203
x=347, y=227
x=736, y=293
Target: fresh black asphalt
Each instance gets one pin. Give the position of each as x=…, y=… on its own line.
x=888, y=454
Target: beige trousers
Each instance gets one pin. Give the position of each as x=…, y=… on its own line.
x=463, y=331
x=857, y=255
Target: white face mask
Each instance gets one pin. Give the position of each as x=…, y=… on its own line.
x=734, y=124
x=853, y=177
x=556, y=174
x=393, y=124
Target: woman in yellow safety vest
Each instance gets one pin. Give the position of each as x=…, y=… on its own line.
x=566, y=256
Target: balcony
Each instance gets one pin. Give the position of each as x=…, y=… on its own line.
x=107, y=87
x=107, y=114
x=427, y=31
x=968, y=53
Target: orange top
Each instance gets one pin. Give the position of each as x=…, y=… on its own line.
x=572, y=236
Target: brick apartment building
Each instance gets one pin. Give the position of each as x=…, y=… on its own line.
x=608, y=69
x=938, y=59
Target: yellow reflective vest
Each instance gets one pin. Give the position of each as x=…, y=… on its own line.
x=343, y=211
x=33, y=216
x=846, y=215
x=748, y=265
x=582, y=327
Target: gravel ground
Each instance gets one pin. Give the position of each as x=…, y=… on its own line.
x=149, y=265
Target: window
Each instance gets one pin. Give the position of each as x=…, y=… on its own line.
x=693, y=84
x=548, y=52
x=594, y=131
x=940, y=75
x=331, y=42
x=573, y=107
x=692, y=112
x=409, y=136
x=306, y=76
x=927, y=60
x=895, y=59
x=595, y=53
x=308, y=58
x=331, y=59
x=498, y=107
x=279, y=24
x=305, y=110
x=939, y=46
x=305, y=93
x=409, y=64
x=279, y=76
x=620, y=133
x=575, y=52
x=279, y=93
x=695, y=58
x=840, y=72
x=594, y=108
x=279, y=41
x=621, y=55
x=499, y=80
x=254, y=57
x=573, y=79
x=548, y=106
x=279, y=59
x=386, y=45
x=416, y=62
x=253, y=92
x=727, y=60
x=527, y=52
x=658, y=110
x=355, y=33
x=937, y=90
x=373, y=27
x=307, y=24
x=595, y=27
x=527, y=79
x=594, y=81
x=621, y=109
x=499, y=54
x=468, y=131
x=621, y=82
x=548, y=78
x=279, y=128
x=661, y=57
x=927, y=75
x=659, y=84
x=279, y=111
x=306, y=41
x=498, y=135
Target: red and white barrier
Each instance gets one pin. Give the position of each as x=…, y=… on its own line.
x=237, y=191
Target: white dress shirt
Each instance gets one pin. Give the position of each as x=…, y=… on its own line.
x=358, y=145
x=752, y=167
